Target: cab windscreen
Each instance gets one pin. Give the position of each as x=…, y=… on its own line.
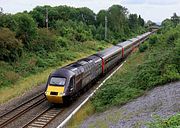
x=57, y=81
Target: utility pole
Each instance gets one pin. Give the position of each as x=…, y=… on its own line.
x=47, y=19
x=1, y=10
x=105, y=34
x=95, y=18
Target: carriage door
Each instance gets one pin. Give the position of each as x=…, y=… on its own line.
x=72, y=86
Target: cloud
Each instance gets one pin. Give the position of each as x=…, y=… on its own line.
x=155, y=10
x=163, y=2
x=151, y=2
x=133, y=1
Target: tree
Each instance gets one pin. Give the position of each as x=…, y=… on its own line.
x=133, y=22
x=100, y=17
x=7, y=21
x=167, y=23
x=10, y=47
x=175, y=19
x=118, y=21
x=1, y=10
x=141, y=21
x=26, y=28
x=150, y=23
x=38, y=15
x=45, y=41
x=86, y=15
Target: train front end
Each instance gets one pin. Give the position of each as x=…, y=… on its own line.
x=57, y=88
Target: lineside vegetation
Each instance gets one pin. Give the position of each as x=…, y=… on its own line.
x=28, y=48
x=159, y=65
x=155, y=63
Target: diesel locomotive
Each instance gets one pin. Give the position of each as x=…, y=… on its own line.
x=68, y=81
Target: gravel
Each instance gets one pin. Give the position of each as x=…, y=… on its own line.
x=163, y=101
x=18, y=100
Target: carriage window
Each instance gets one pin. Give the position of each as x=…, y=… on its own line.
x=57, y=81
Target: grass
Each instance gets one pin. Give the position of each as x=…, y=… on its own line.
x=79, y=117
x=17, y=78
x=171, y=122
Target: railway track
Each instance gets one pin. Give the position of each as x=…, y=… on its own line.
x=16, y=112
x=44, y=118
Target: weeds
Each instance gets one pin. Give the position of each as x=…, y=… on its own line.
x=159, y=122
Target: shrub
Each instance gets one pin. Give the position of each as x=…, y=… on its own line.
x=46, y=41
x=62, y=42
x=153, y=39
x=159, y=122
x=26, y=28
x=10, y=47
x=41, y=62
x=143, y=47
x=11, y=76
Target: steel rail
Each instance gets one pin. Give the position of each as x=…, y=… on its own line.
x=44, y=118
x=13, y=114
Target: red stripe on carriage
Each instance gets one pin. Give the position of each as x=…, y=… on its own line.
x=103, y=64
x=133, y=47
x=122, y=52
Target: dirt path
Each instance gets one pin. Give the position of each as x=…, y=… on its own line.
x=163, y=101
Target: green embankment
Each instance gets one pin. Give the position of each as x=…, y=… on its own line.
x=159, y=64
x=171, y=122
x=156, y=63
x=32, y=70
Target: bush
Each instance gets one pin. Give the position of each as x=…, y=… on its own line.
x=74, y=31
x=62, y=42
x=10, y=47
x=45, y=42
x=26, y=28
x=153, y=39
x=11, y=76
x=171, y=122
x=41, y=62
x=172, y=37
x=143, y=47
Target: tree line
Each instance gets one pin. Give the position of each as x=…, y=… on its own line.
x=27, y=32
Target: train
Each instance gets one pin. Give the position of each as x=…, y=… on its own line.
x=68, y=81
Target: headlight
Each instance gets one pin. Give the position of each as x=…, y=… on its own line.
x=62, y=94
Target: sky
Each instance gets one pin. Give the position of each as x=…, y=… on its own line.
x=154, y=10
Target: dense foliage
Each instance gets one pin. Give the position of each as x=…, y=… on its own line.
x=27, y=46
x=68, y=24
x=157, y=65
x=10, y=47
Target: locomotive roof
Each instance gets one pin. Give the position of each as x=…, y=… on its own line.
x=62, y=72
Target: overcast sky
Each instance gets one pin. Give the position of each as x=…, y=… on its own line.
x=155, y=10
